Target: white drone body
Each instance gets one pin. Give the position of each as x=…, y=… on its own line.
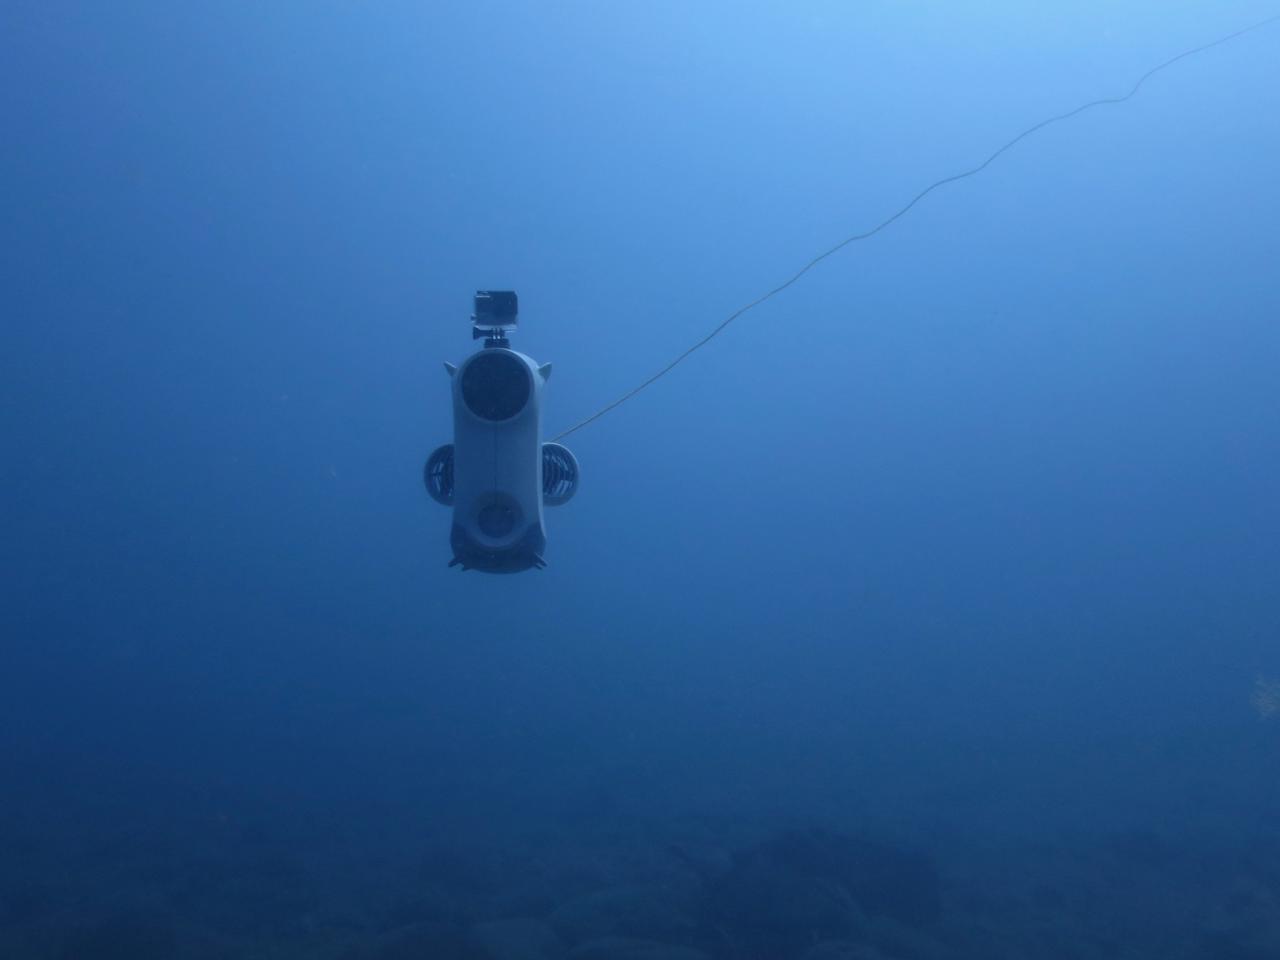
x=498, y=474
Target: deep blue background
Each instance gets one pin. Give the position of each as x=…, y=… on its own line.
x=972, y=531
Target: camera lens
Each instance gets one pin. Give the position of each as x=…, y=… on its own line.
x=496, y=520
x=495, y=385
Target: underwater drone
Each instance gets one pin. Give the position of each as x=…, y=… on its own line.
x=497, y=475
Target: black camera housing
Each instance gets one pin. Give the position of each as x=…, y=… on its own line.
x=496, y=309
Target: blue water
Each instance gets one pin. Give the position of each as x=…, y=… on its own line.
x=929, y=612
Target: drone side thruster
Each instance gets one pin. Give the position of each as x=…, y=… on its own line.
x=497, y=475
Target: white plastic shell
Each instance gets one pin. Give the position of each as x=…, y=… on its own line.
x=497, y=461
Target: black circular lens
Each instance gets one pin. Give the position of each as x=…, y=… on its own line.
x=495, y=385
x=496, y=520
